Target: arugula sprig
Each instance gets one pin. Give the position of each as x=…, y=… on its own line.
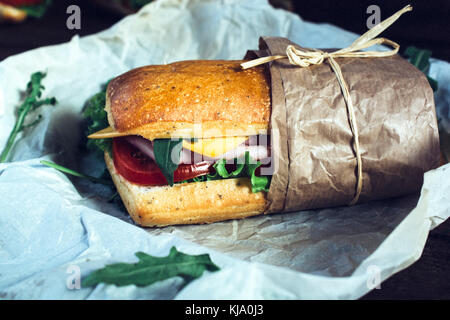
x=149, y=269
x=245, y=167
x=32, y=101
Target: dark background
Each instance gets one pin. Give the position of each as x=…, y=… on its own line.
x=426, y=27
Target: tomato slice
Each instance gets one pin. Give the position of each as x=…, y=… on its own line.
x=18, y=3
x=140, y=169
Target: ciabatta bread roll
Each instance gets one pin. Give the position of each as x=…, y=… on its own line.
x=189, y=99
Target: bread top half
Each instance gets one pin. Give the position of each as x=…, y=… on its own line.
x=183, y=93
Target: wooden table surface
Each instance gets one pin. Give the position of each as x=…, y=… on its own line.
x=429, y=277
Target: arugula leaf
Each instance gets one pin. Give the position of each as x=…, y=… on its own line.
x=222, y=171
x=420, y=58
x=149, y=269
x=167, y=156
x=37, y=10
x=31, y=102
x=244, y=168
x=96, y=116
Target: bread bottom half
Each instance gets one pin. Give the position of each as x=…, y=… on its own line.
x=188, y=203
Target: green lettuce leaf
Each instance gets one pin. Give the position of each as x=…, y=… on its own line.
x=149, y=269
x=259, y=183
x=95, y=114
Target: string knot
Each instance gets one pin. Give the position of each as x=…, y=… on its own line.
x=303, y=58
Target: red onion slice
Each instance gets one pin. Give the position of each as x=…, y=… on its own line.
x=257, y=152
x=144, y=145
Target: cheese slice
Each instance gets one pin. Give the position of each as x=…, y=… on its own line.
x=213, y=147
x=210, y=147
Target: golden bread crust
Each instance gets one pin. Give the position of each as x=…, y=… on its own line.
x=188, y=203
x=191, y=92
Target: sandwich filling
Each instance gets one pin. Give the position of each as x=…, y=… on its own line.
x=165, y=161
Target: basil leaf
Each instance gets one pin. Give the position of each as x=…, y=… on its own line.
x=151, y=269
x=167, y=156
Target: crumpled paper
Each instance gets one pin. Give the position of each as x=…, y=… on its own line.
x=54, y=227
x=398, y=130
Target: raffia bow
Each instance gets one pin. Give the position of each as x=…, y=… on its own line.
x=307, y=57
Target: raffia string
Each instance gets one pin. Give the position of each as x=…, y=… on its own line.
x=307, y=57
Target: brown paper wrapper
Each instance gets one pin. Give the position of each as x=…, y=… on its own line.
x=315, y=164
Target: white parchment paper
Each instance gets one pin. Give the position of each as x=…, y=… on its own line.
x=52, y=226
